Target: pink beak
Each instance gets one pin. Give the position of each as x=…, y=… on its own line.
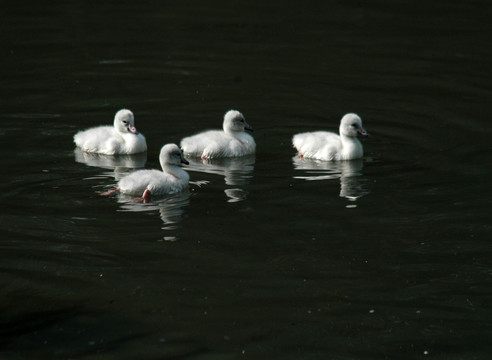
x=362, y=131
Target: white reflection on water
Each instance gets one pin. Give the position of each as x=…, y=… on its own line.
x=348, y=172
x=236, y=172
x=236, y=194
x=171, y=208
x=120, y=164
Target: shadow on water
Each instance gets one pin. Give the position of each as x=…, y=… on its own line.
x=70, y=332
x=76, y=333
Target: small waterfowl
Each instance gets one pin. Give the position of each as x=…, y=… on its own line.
x=120, y=139
x=232, y=141
x=323, y=145
x=172, y=179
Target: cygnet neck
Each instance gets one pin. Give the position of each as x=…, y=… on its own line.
x=351, y=147
x=172, y=169
x=231, y=132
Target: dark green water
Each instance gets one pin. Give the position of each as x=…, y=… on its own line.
x=266, y=257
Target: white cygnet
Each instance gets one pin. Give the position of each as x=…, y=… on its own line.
x=323, y=145
x=172, y=179
x=232, y=141
x=120, y=139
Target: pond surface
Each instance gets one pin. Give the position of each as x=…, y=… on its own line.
x=265, y=257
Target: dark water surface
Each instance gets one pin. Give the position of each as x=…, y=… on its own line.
x=266, y=257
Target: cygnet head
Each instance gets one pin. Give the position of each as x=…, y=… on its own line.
x=235, y=121
x=171, y=154
x=124, y=122
x=351, y=125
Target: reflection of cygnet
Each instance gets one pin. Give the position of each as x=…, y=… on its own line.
x=347, y=171
x=116, y=163
x=120, y=164
x=171, y=209
x=236, y=171
x=350, y=186
x=119, y=139
x=232, y=141
x=323, y=145
x=236, y=195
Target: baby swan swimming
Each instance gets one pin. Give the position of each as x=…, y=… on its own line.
x=120, y=139
x=323, y=145
x=232, y=141
x=172, y=179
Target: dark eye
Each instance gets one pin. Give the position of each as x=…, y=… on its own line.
x=125, y=122
x=354, y=125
